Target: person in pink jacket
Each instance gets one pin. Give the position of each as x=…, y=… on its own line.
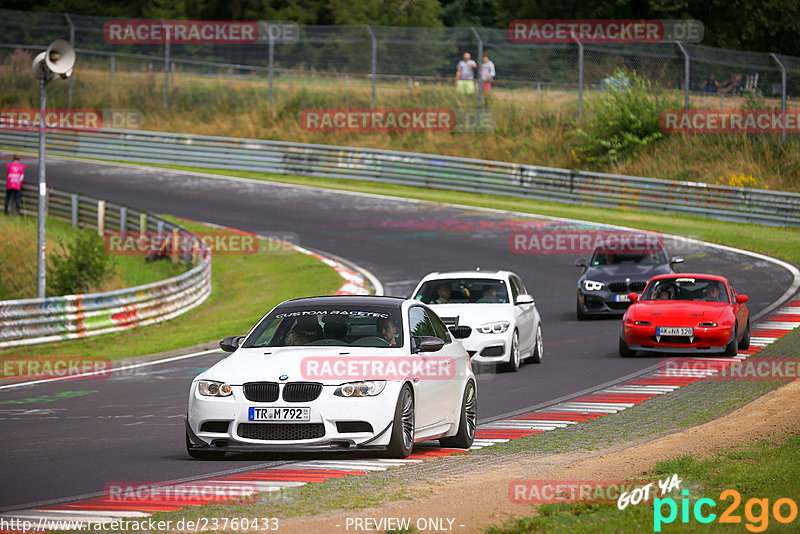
x=14, y=177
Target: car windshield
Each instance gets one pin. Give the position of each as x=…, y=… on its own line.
x=463, y=291
x=646, y=257
x=342, y=326
x=686, y=289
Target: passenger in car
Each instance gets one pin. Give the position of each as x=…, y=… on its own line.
x=387, y=330
x=296, y=338
x=308, y=326
x=444, y=293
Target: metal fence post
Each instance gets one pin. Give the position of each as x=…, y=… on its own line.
x=142, y=223
x=686, y=74
x=73, y=204
x=41, y=243
x=113, y=66
x=480, y=58
x=580, y=78
x=72, y=43
x=783, y=97
x=374, y=63
x=101, y=217
x=166, y=66
x=271, y=62
x=123, y=221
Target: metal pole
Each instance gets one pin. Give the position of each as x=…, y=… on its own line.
x=113, y=65
x=783, y=97
x=480, y=58
x=166, y=67
x=72, y=43
x=271, y=63
x=686, y=80
x=374, y=63
x=42, y=212
x=580, y=78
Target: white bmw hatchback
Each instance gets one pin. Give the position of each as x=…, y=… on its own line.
x=495, y=315
x=336, y=373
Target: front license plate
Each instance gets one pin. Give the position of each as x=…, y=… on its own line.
x=301, y=413
x=622, y=298
x=674, y=331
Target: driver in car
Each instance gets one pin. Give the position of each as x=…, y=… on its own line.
x=489, y=294
x=387, y=330
x=335, y=327
x=713, y=294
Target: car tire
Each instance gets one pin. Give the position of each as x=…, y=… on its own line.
x=624, y=350
x=514, y=359
x=402, y=440
x=744, y=344
x=538, y=348
x=579, y=313
x=467, y=422
x=732, y=349
x=200, y=453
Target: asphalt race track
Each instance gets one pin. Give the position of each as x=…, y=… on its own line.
x=70, y=438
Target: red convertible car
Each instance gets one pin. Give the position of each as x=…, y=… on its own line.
x=686, y=313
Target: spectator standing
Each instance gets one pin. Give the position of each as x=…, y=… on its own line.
x=15, y=174
x=487, y=74
x=465, y=75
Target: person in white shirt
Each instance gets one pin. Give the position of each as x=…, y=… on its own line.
x=487, y=74
x=465, y=75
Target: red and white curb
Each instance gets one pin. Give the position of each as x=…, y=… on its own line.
x=582, y=408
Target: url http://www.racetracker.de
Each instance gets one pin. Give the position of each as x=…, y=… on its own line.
x=251, y=524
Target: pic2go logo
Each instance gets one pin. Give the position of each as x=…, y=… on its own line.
x=758, y=521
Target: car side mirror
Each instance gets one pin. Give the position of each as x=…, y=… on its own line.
x=231, y=343
x=524, y=299
x=460, y=332
x=580, y=263
x=633, y=297
x=741, y=299
x=676, y=260
x=427, y=344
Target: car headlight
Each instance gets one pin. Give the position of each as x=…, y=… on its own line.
x=211, y=388
x=706, y=325
x=642, y=323
x=368, y=388
x=591, y=285
x=494, y=328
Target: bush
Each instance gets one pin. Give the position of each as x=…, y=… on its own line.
x=622, y=120
x=81, y=265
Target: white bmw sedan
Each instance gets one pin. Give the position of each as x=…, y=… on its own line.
x=494, y=313
x=336, y=373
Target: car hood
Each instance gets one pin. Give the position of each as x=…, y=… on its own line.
x=677, y=313
x=268, y=364
x=636, y=272
x=474, y=314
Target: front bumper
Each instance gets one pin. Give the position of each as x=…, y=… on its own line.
x=326, y=411
x=488, y=348
x=710, y=340
x=602, y=302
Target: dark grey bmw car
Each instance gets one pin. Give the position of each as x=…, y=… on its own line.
x=610, y=275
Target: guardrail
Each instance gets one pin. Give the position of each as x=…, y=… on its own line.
x=408, y=168
x=31, y=321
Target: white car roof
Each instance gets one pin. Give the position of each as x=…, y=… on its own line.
x=490, y=274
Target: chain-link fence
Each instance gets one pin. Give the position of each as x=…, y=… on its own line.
x=379, y=57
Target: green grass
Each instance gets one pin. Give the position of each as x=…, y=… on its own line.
x=18, y=258
x=244, y=288
x=767, y=469
x=781, y=242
